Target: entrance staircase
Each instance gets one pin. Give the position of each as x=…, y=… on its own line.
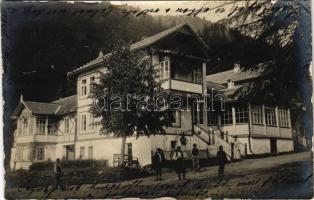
x=214, y=136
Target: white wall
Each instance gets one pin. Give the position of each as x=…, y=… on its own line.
x=236, y=129
x=105, y=148
x=284, y=145
x=258, y=145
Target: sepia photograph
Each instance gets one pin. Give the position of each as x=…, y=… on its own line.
x=157, y=99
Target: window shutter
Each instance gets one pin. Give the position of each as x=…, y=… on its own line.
x=19, y=126
x=31, y=125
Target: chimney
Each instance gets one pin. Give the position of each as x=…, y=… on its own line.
x=21, y=97
x=230, y=84
x=101, y=54
x=236, y=68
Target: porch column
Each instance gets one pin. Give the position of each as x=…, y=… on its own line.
x=289, y=121
x=250, y=116
x=169, y=72
x=264, y=119
x=46, y=126
x=277, y=120
x=204, y=92
x=233, y=119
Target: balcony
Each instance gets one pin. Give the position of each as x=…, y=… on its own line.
x=184, y=86
x=37, y=138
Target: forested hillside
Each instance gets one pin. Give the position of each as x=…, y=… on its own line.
x=42, y=42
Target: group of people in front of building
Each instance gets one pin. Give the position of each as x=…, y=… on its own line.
x=180, y=165
x=159, y=162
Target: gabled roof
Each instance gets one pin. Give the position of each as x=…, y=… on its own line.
x=215, y=86
x=41, y=108
x=67, y=105
x=155, y=38
x=149, y=41
x=242, y=75
x=232, y=94
x=59, y=107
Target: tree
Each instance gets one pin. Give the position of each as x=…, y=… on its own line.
x=124, y=95
x=280, y=33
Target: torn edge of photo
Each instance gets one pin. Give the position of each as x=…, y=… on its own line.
x=157, y=99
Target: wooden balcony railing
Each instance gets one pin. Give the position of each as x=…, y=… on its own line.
x=125, y=160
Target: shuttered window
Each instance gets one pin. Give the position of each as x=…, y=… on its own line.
x=90, y=152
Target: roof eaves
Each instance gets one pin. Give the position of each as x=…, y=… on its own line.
x=57, y=109
x=84, y=68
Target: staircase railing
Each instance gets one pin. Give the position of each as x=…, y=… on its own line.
x=202, y=134
x=229, y=139
x=212, y=139
x=214, y=136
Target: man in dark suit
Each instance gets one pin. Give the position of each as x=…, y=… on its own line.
x=57, y=168
x=222, y=161
x=158, y=161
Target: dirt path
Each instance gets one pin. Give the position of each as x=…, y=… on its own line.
x=281, y=176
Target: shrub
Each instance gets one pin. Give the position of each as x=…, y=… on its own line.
x=73, y=175
x=84, y=163
x=48, y=165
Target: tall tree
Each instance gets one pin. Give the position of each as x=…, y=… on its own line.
x=281, y=34
x=124, y=95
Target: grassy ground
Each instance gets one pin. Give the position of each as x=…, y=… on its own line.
x=286, y=176
x=45, y=178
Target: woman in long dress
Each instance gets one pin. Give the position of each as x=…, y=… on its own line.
x=179, y=163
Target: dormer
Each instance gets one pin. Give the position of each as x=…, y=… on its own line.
x=230, y=83
x=236, y=68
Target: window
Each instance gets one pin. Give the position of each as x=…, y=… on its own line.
x=257, y=114
x=283, y=117
x=201, y=113
x=84, y=88
x=175, y=118
x=90, y=152
x=270, y=115
x=173, y=144
x=212, y=118
x=51, y=126
x=92, y=79
x=67, y=125
x=83, y=122
x=40, y=153
x=241, y=113
x=41, y=125
x=25, y=126
x=19, y=153
x=164, y=69
x=25, y=123
x=197, y=75
x=91, y=122
x=227, y=115
x=82, y=152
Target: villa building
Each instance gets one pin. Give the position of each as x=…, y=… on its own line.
x=65, y=128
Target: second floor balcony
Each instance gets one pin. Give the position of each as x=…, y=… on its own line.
x=181, y=74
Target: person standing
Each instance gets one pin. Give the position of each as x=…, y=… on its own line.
x=58, y=174
x=158, y=161
x=222, y=161
x=195, y=159
x=179, y=163
x=237, y=150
